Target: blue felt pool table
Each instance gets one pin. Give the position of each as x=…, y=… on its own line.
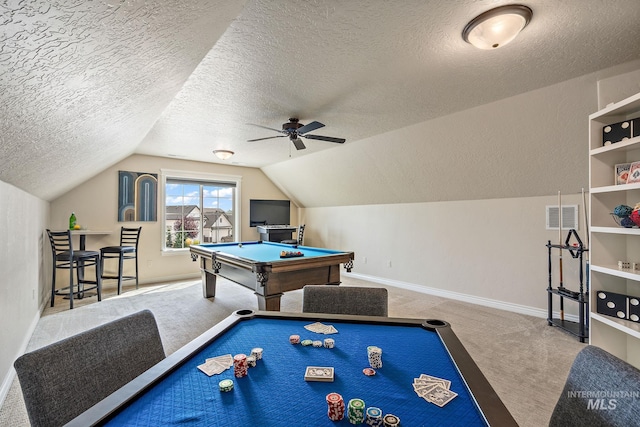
x=275, y=392
x=259, y=266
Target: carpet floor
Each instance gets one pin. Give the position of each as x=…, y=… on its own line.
x=525, y=360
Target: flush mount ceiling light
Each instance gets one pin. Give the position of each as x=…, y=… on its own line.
x=223, y=154
x=497, y=27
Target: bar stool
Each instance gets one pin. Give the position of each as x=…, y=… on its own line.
x=64, y=257
x=128, y=249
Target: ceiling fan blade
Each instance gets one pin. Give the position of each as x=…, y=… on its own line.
x=325, y=138
x=310, y=127
x=265, y=127
x=268, y=137
x=298, y=144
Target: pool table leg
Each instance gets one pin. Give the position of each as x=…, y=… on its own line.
x=208, y=283
x=269, y=302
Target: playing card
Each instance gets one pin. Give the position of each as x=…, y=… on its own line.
x=440, y=396
x=210, y=368
x=422, y=390
x=314, y=327
x=321, y=328
x=430, y=379
x=216, y=365
x=224, y=360
x=331, y=330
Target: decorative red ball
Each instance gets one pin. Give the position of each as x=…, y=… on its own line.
x=635, y=217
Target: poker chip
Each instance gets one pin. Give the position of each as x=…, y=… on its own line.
x=225, y=385
x=251, y=361
x=355, y=411
x=257, y=353
x=306, y=342
x=335, y=406
x=240, y=366
x=294, y=339
x=317, y=343
x=374, y=417
x=369, y=372
x=375, y=356
x=390, y=420
x=329, y=343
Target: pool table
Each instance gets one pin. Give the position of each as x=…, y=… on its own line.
x=259, y=266
x=275, y=392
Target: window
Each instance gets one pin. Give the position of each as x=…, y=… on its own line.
x=199, y=208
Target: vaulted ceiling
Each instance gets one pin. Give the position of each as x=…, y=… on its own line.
x=84, y=84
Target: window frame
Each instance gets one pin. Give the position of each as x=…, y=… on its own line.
x=197, y=177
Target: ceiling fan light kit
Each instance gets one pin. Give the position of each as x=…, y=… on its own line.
x=294, y=129
x=497, y=27
x=223, y=154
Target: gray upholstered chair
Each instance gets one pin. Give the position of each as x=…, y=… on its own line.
x=63, y=379
x=335, y=299
x=601, y=390
x=128, y=249
x=297, y=241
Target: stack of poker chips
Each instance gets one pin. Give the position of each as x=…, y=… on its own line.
x=257, y=353
x=355, y=411
x=391, y=420
x=225, y=385
x=240, y=365
x=329, y=343
x=374, y=417
x=251, y=361
x=294, y=339
x=375, y=356
x=335, y=403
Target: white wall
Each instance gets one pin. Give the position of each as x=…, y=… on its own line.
x=479, y=181
x=23, y=272
x=490, y=252
x=95, y=203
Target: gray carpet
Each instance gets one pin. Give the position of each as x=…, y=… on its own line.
x=525, y=360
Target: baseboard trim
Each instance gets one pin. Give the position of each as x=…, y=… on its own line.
x=177, y=278
x=487, y=302
x=11, y=374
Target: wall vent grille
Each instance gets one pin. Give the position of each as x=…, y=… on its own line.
x=569, y=217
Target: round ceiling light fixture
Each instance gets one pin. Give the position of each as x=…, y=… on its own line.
x=223, y=154
x=497, y=27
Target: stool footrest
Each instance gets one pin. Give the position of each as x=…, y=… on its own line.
x=65, y=291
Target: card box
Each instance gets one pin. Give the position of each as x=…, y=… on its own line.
x=621, y=173
x=634, y=173
x=319, y=373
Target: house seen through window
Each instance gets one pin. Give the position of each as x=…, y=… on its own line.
x=198, y=212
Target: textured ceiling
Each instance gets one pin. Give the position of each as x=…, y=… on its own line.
x=86, y=83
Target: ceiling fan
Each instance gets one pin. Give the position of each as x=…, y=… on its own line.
x=294, y=130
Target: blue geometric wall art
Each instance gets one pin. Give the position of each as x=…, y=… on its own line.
x=137, y=196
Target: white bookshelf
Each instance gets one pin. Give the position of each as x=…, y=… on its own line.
x=610, y=243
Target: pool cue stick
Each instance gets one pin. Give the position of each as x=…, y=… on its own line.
x=560, y=253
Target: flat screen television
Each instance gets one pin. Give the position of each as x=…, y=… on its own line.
x=269, y=212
